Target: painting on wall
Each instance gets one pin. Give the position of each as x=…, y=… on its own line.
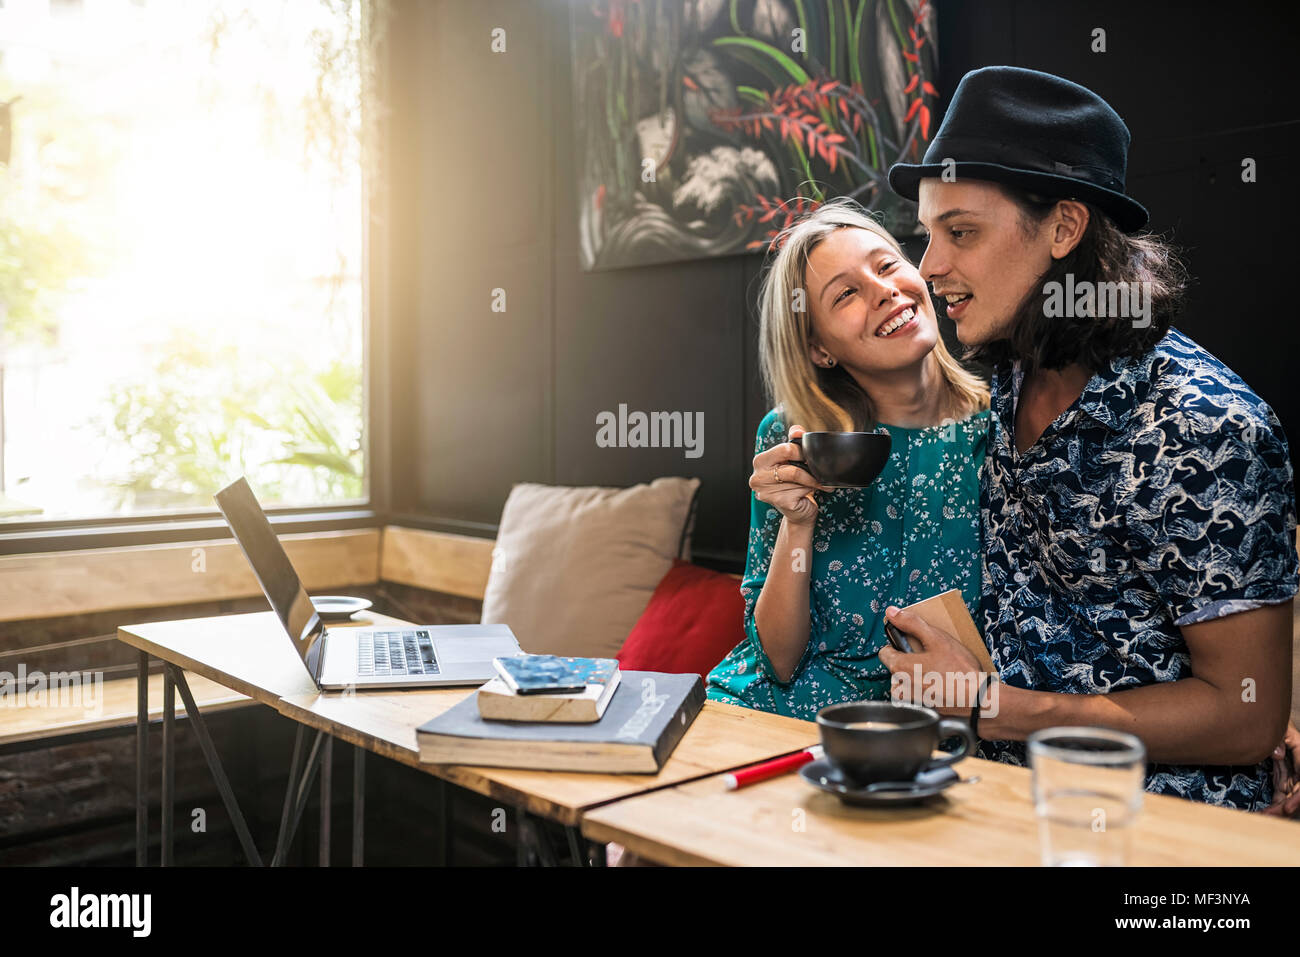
x=703, y=127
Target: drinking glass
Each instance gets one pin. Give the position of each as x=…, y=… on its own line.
x=1087, y=785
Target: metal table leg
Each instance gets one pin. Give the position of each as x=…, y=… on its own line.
x=533, y=841
x=214, y=765
x=326, y=790
x=297, y=789
x=142, y=760
x=290, y=788
x=168, y=766
x=575, y=845
x=544, y=847
x=444, y=823
x=358, y=805
x=300, y=802
x=521, y=838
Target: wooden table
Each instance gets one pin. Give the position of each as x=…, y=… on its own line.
x=721, y=738
x=785, y=821
x=251, y=654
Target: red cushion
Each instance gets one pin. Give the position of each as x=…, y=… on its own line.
x=694, y=618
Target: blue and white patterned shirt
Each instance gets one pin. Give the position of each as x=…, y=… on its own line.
x=1161, y=498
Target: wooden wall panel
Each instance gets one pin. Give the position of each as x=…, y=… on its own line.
x=435, y=561
x=51, y=584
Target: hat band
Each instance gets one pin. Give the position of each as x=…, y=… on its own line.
x=979, y=150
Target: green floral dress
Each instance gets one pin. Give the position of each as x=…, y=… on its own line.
x=913, y=534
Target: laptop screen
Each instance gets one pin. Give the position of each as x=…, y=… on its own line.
x=273, y=570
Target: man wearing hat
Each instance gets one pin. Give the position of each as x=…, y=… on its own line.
x=1138, y=507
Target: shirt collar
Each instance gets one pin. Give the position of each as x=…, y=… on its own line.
x=1109, y=397
x=1112, y=394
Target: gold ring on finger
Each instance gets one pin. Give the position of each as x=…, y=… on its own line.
x=776, y=474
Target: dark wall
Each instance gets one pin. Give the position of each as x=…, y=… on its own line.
x=1201, y=86
x=482, y=175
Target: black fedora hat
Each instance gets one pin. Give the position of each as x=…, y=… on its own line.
x=1033, y=130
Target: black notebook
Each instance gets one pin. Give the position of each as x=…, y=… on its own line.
x=646, y=718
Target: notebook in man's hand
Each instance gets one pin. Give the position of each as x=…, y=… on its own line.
x=948, y=613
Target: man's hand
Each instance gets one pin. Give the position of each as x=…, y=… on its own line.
x=942, y=658
x=1286, y=777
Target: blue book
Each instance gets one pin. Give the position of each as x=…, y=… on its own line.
x=553, y=674
x=647, y=716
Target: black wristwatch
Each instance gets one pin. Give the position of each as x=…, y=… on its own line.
x=975, y=711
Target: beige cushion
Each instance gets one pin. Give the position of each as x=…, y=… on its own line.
x=574, y=567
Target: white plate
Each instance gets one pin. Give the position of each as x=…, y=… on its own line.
x=338, y=607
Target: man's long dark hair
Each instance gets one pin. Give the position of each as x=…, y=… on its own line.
x=1104, y=254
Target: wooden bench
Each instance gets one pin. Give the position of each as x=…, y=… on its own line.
x=114, y=707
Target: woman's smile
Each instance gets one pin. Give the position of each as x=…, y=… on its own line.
x=901, y=322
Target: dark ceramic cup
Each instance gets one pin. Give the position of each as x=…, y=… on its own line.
x=872, y=741
x=844, y=459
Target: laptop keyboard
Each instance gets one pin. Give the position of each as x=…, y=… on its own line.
x=382, y=653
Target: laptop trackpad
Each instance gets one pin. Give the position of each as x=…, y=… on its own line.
x=459, y=651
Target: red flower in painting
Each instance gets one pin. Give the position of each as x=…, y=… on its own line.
x=918, y=109
x=772, y=209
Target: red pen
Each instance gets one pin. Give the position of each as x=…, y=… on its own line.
x=770, y=769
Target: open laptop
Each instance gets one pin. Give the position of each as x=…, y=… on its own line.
x=353, y=657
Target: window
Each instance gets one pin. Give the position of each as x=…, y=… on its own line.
x=180, y=255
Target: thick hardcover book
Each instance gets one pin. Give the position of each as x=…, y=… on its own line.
x=646, y=718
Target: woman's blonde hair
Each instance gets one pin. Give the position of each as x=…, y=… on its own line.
x=829, y=399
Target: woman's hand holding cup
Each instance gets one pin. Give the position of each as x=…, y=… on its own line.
x=787, y=488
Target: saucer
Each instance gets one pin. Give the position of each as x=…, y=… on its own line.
x=826, y=777
x=338, y=607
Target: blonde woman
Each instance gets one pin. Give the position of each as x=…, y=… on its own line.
x=849, y=342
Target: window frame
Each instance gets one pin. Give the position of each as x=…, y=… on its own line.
x=112, y=531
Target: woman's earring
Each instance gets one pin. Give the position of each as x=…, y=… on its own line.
x=830, y=360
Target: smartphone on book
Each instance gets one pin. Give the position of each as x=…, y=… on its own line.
x=553, y=674
x=897, y=638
